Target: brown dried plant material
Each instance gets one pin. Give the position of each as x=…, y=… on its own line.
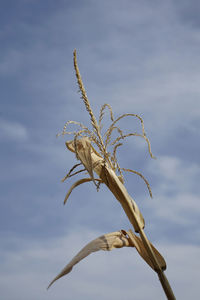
x=95, y=135
x=105, y=165
x=77, y=183
x=105, y=242
x=110, y=241
x=138, y=244
x=93, y=161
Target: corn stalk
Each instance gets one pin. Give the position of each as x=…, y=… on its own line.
x=105, y=166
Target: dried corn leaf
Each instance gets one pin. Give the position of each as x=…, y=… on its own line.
x=69, y=174
x=109, y=177
x=138, y=244
x=89, y=157
x=105, y=242
x=109, y=241
x=77, y=183
x=118, y=189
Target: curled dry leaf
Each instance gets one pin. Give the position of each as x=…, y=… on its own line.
x=129, y=205
x=136, y=241
x=105, y=242
x=77, y=183
x=108, y=242
x=92, y=159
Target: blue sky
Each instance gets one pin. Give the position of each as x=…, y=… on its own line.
x=140, y=57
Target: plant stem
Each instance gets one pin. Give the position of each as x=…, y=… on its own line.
x=166, y=286
x=119, y=191
x=162, y=277
x=109, y=177
x=117, y=188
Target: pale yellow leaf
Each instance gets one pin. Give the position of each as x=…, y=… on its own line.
x=105, y=242
x=138, y=243
x=118, y=189
x=110, y=178
x=108, y=242
x=77, y=183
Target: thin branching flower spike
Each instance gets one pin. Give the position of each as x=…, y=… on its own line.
x=91, y=150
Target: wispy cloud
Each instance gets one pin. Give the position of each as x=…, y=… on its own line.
x=176, y=196
x=180, y=175
x=14, y=131
x=139, y=56
x=31, y=266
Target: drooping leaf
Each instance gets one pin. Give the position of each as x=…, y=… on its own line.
x=70, y=172
x=77, y=183
x=105, y=242
x=138, y=243
x=109, y=177
x=118, y=189
x=109, y=241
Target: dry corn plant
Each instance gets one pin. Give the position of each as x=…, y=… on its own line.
x=91, y=150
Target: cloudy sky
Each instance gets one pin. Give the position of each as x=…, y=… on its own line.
x=140, y=57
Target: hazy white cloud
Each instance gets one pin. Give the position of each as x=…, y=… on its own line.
x=141, y=57
x=29, y=266
x=12, y=130
x=176, y=174
x=176, y=198
x=182, y=209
